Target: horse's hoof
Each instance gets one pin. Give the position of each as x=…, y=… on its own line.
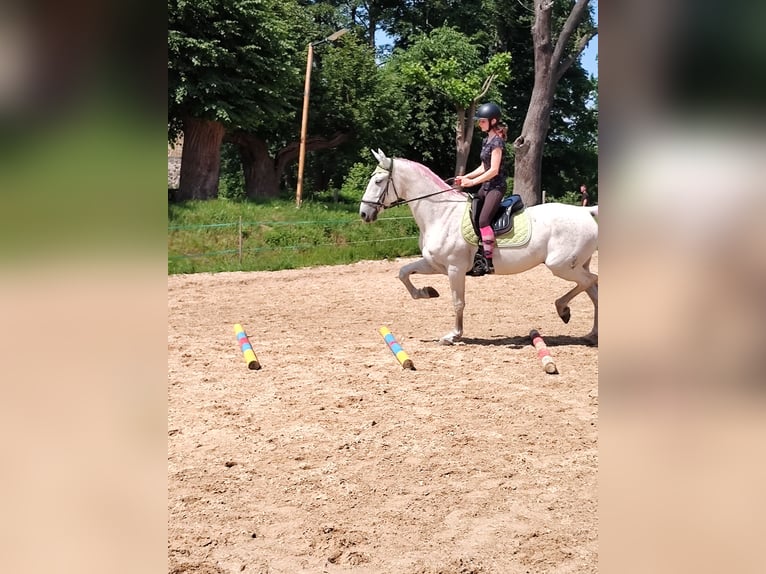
x=431, y=292
x=566, y=315
x=450, y=339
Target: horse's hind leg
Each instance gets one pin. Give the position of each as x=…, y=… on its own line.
x=585, y=281
x=592, y=292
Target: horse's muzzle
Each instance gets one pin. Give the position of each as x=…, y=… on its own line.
x=368, y=214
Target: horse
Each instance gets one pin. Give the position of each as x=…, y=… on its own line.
x=562, y=236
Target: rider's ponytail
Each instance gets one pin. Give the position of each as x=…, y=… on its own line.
x=501, y=129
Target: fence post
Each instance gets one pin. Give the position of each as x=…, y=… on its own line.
x=240, y=241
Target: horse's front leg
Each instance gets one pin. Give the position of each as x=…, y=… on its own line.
x=423, y=267
x=457, y=285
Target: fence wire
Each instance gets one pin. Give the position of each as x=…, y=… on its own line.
x=242, y=225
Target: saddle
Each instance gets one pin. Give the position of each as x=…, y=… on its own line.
x=502, y=222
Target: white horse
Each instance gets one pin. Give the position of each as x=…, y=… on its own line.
x=563, y=237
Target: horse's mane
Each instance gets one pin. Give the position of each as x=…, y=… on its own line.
x=428, y=173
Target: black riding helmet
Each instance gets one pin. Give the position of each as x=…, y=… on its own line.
x=489, y=111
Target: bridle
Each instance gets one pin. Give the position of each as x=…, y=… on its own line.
x=399, y=201
x=390, y=181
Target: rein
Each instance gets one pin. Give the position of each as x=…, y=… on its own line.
x=399, y=201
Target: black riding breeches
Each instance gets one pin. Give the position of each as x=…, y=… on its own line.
x=489, y=201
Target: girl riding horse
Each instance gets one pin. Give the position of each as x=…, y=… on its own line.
x=491, y=175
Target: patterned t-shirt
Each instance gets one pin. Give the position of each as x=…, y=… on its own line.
x=498, y=181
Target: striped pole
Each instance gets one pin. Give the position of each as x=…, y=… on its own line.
x=246, y=348
x=396, y=349
x=543, y=352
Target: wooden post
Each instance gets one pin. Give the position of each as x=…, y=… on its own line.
x=240, y=241
x=304, y=126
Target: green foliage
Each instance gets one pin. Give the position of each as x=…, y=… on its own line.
x=570, y=156
x=571, y=152
x=203, y=236
x=440, y=73
x=573, y=197
x=243, y=62
x=350, y=95
x=356, y=181
x=409, y=20
x=234, y=61
x=570, y=197
x=447, y=61
x=231, y=181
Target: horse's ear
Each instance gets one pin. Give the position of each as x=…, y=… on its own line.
x=383, y=161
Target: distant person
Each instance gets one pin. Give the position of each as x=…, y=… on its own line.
x=584, y=194
x=491, y=176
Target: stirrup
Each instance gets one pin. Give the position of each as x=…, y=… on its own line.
x=480, y=266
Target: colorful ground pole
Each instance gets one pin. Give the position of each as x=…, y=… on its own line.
x=246, y=348
x=543, y=352
x=396, y=349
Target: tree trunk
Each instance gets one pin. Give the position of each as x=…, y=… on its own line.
x=263, y=173
x=201, y=161
x=464, y=129
x=261, y=176
x=463, y=137
x=529, y=146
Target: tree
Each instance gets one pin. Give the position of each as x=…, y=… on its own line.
x=553, y=56
x=349, y=103
x=571, y=151
x=230, y=65
x=448, y=63
x=365, y=15
x=497, y=26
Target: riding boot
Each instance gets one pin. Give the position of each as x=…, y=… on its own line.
x=488, y=242
x=479, y=264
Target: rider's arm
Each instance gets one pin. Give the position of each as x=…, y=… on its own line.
x=466, y=180
x=478, y=171
x=475, y=178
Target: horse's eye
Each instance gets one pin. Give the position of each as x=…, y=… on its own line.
x=379, y=180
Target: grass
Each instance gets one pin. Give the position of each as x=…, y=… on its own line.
x=204, y=236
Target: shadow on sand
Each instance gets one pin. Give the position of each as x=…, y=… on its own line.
x=519, y=342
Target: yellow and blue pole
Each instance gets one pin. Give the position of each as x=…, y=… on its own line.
x=246, y=348
x=396, y=349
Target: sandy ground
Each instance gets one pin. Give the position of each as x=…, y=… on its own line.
x=332, y=458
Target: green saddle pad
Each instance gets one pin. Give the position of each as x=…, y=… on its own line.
x=518, y=236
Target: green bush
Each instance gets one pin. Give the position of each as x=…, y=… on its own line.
x=570, y=197
x=231, y=181
x=356, y=182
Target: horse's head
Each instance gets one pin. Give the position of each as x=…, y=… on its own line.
x=380, y=192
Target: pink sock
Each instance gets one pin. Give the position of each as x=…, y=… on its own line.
x=488, y=240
